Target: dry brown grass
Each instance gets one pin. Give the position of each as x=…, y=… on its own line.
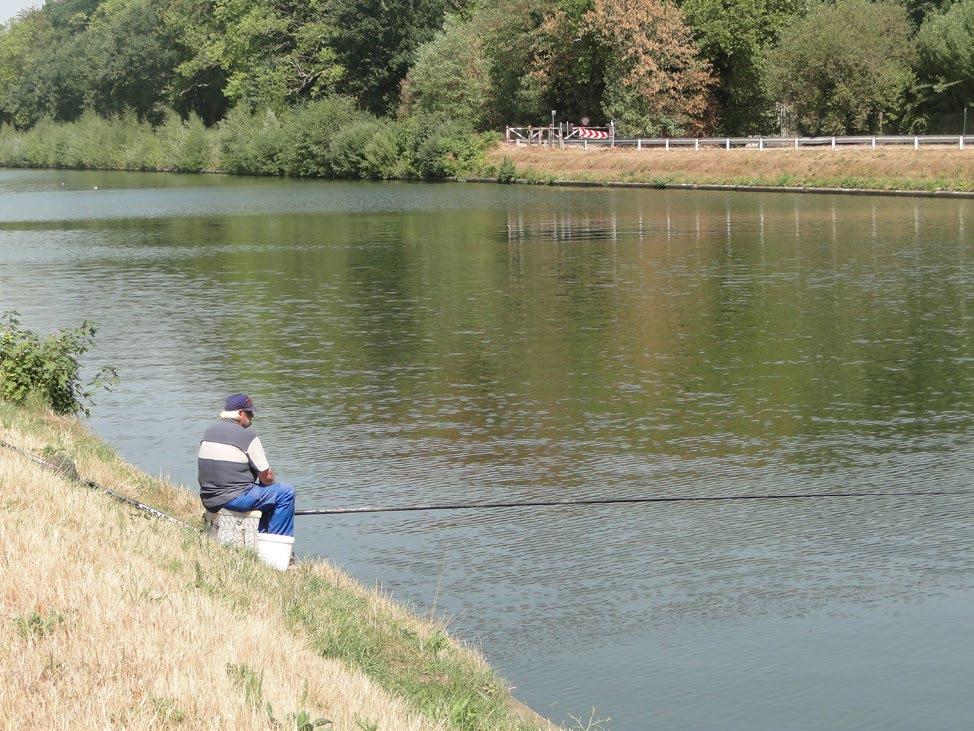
x=110, y=618
x=97, y=634
x=932, y=168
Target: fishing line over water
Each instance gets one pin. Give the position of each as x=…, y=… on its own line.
x=625, y=500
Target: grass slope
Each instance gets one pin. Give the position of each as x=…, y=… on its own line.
x=926, y=169
x=111, y=618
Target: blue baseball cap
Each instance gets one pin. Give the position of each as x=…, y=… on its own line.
x=239, y=402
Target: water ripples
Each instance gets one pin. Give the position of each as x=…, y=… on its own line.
x=430, y=344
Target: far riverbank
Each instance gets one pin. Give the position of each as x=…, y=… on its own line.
x=926, y=171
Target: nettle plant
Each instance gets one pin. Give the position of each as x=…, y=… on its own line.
x=49, y=368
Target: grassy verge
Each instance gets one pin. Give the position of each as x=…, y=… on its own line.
x=110, y=618
x=926, y=169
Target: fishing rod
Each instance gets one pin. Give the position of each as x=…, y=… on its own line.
x=624, y=500
x=65, y=467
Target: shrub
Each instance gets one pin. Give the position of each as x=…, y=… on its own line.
x=507, y=172
x=48, y=369
x=385, y=156
x=449, y=149
x=347, y=151
x=194, y=152
x=253, y=144
x=311, y=129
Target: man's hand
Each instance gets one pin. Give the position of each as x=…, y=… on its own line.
x=266, y=477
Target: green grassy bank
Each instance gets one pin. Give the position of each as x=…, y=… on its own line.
x=143, y=623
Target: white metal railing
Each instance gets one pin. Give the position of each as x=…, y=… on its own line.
x=550, y=137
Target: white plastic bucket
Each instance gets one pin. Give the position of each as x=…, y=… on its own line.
x=275, y=550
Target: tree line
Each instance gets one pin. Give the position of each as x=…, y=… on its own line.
x=655, y=67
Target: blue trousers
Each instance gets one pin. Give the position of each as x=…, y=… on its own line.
x=274, y=501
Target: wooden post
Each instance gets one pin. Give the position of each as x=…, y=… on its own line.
x=507, y=134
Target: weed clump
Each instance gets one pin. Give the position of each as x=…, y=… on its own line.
x=49, y=369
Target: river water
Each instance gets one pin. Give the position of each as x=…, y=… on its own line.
x=413, y=343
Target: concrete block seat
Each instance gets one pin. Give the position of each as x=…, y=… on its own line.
x=229, y=526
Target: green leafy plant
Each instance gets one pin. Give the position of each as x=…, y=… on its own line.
x=250, y=681
x=304, y=721
x=49, y=369
x=36, y=624
x=507, y=172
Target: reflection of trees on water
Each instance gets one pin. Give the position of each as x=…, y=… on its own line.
x=631, y=332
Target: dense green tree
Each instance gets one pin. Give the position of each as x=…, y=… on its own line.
x=512, y=42
x=451, y=77
x=842, y=68
x=920, y=10
x=736, y=35
x=131, y=56
x=946, y=51
x=262, y=53
x=567, y=70
x=375, y=42
x=19, y=42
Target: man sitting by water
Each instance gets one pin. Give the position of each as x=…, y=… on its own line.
x=234, y=472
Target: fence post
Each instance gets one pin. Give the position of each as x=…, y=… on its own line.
x=760, y=143
x=874, y=143
x=696, y=144
x=962, y=142
x=667, y=143
x=584, y=144
x=727, y=144
x=833, y=143
x=916, y=143
x=507, y=134
x=639, y=144
x=796, y=143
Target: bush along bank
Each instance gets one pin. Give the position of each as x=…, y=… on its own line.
x=327, y=138
x=113, y=618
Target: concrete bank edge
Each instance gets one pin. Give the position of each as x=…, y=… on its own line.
x=962, y=194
